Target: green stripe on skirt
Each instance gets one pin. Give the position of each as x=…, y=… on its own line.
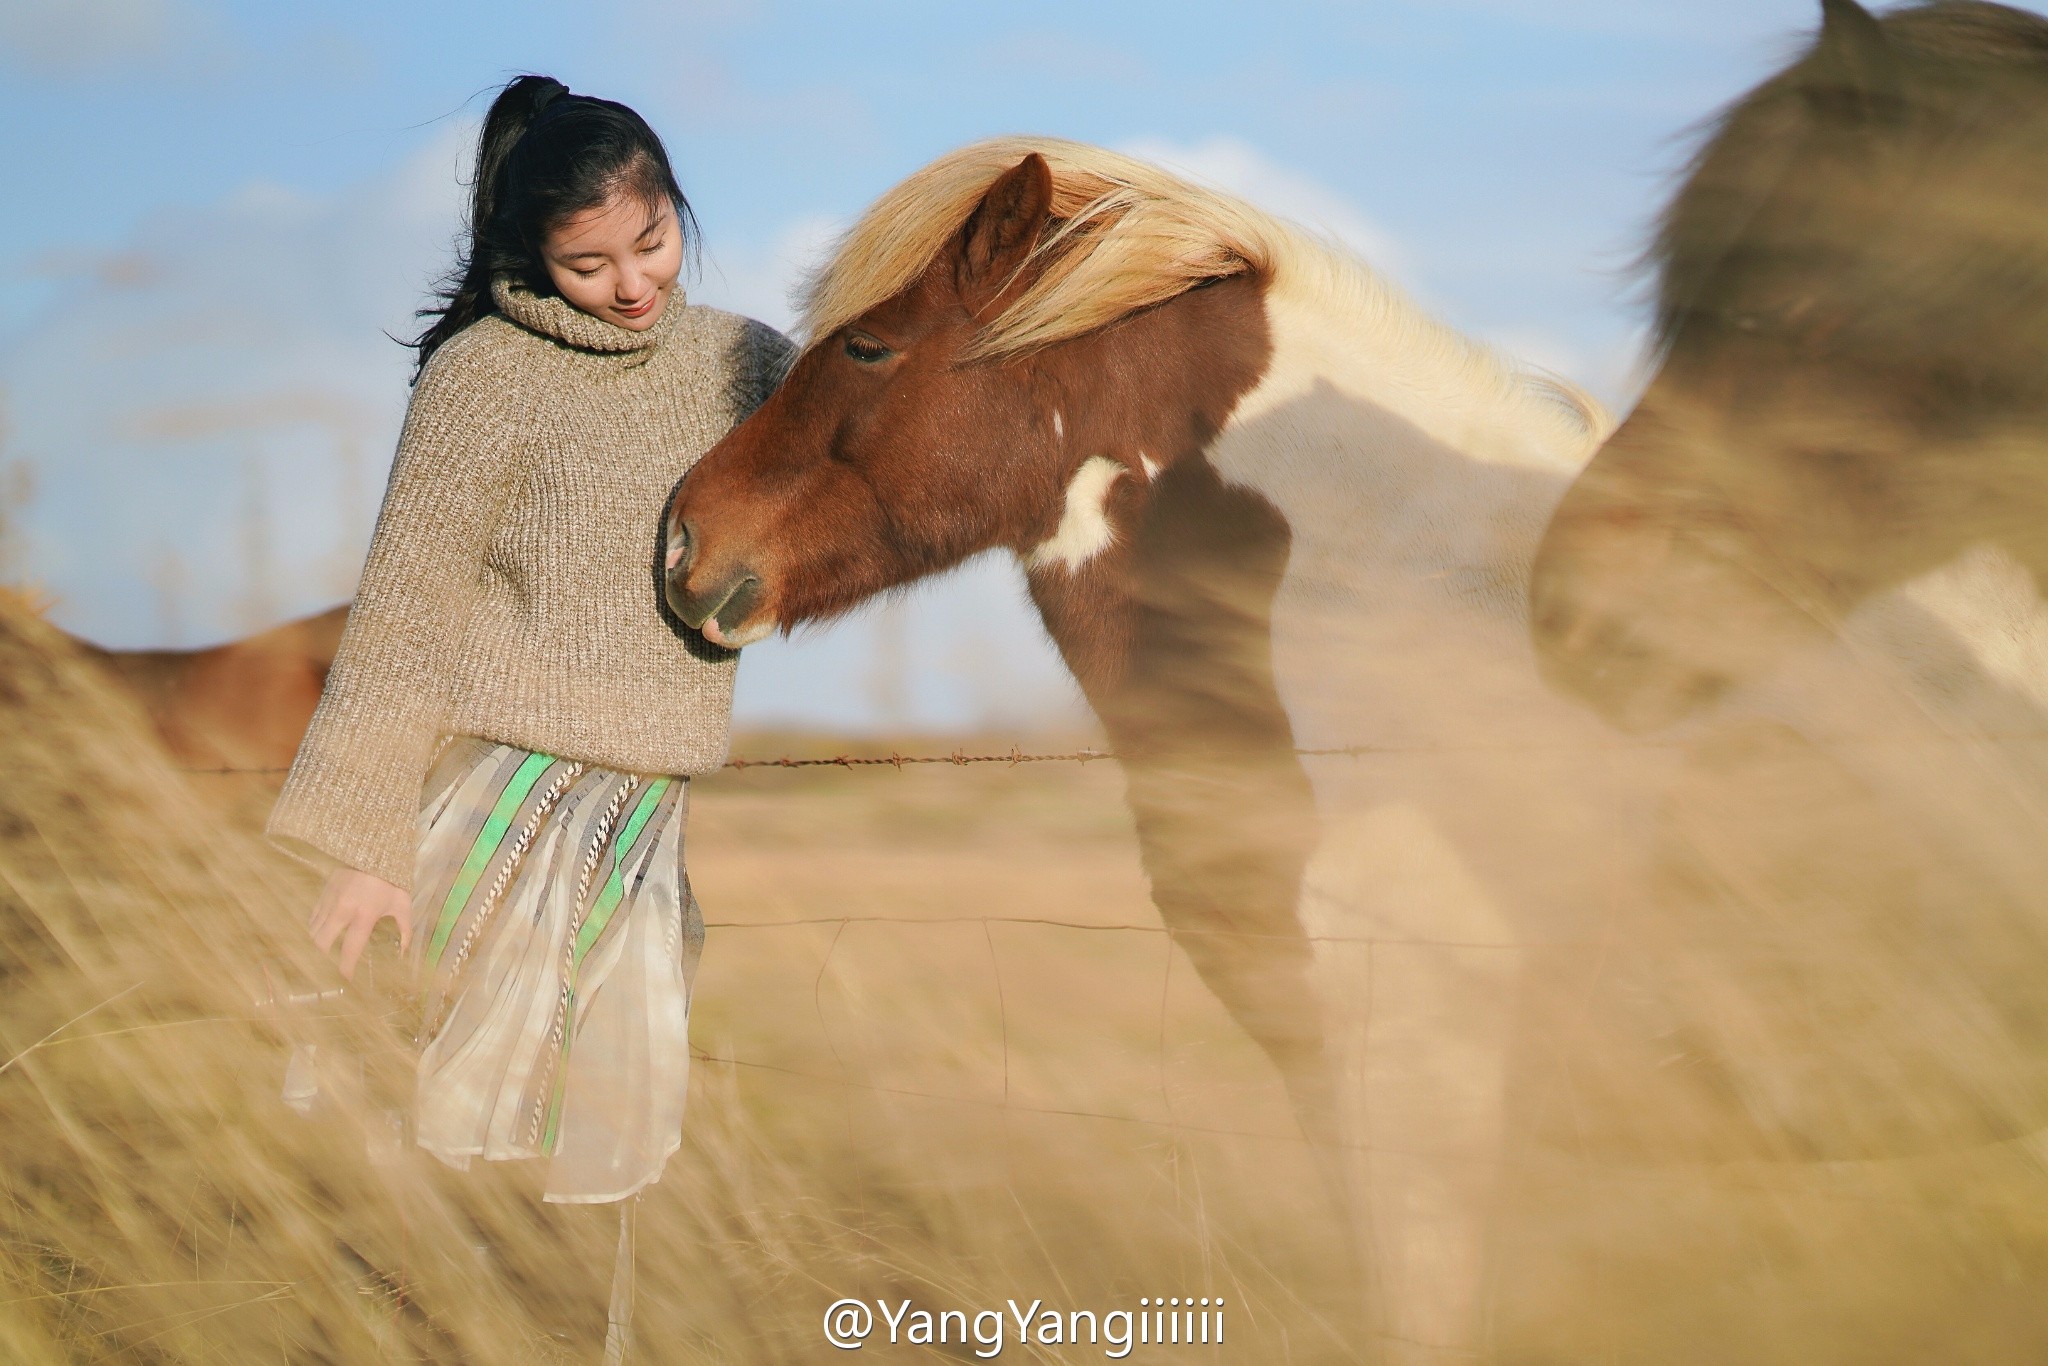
x=557, y=977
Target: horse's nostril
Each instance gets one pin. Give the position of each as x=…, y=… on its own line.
x=679, y=540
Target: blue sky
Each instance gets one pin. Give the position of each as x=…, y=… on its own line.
x=219, y=208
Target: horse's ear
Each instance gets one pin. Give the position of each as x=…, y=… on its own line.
x=1004, y=228
x=1854, y=63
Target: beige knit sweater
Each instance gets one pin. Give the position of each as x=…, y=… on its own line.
x=512, y=587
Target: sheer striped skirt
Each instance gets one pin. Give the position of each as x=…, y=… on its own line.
x=557, y=941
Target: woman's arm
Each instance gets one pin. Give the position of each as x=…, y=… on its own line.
x=353, y=794
x=759, y=361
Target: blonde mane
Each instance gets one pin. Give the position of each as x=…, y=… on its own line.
x=1126, y=235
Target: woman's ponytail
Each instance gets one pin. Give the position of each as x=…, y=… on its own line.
x=511, y=114
x=544, y=155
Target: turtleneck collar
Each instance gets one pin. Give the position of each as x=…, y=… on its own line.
x=556, y=318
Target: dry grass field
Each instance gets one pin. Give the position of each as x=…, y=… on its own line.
x=912, y=1083
x=945, y=1055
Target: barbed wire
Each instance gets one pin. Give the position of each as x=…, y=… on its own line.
x=1014, y=1107
x=958, y=758
x=1172, y=1120
x=841, y=1067
x=1017, y=755
x=891, y=760
x=1052, y=923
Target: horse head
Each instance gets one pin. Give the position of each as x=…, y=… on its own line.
x=1853, y=318
x=989, y=367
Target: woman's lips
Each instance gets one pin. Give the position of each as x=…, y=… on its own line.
x=638, y=310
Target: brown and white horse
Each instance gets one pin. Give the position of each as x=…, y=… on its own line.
x=1264, y=506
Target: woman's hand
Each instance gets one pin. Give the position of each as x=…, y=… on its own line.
x=349, y=908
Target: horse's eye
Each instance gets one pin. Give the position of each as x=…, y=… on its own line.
x=866, y=349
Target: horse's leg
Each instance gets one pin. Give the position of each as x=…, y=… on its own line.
x=1226, y=876
x=1224, y=843
x=1420, y=972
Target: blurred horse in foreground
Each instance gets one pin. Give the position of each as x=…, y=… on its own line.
x=1853, y=314
x=1828, y=516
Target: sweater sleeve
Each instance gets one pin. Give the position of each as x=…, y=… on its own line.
x=353, y=793
x=760, y=358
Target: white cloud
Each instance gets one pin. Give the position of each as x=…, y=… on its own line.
x=218, y=399
x=1234, y=165
x=761, y=280
x=1615, y=374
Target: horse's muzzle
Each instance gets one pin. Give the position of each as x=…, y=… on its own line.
x=718, y=609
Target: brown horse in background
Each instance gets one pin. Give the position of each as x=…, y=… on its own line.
x=1833, y=500
x=243, y=705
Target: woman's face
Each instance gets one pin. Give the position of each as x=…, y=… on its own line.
x=617, y=261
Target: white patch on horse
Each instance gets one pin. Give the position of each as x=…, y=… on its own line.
x=1084, y=530
x=1151, y=465
x=1059, y=426
x=1423, y=545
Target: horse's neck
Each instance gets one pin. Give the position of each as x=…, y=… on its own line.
x=1398, y=451
x=1415, y=475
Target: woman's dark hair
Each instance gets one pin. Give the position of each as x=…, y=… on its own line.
x=545, y=156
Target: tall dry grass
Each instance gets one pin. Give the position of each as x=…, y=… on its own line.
x=933, y=1105
x=946, y=1056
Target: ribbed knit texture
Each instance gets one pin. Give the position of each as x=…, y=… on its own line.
x=512, y=587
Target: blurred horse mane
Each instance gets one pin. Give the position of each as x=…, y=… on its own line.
x=1954, y=92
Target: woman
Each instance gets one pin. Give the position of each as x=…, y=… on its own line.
x=508, y=649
